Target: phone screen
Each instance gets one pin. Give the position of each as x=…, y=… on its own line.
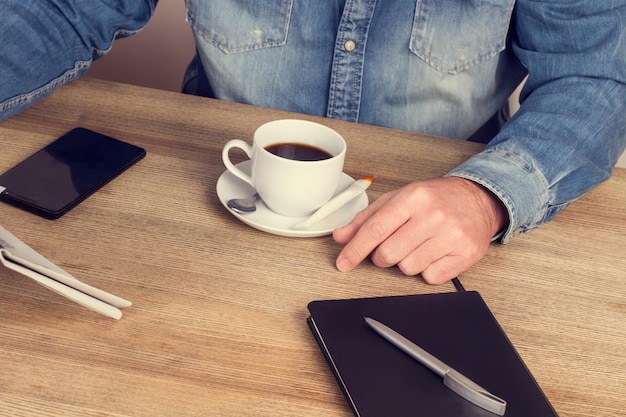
x=58, y=177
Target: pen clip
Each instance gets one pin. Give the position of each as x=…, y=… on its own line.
x=473, y=392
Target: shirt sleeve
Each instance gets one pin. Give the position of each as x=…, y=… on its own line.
x=46, y=44
x=571, y=126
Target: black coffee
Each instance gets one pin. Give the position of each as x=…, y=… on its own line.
x=298, y=151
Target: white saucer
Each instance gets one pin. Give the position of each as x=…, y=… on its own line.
x=229, y=186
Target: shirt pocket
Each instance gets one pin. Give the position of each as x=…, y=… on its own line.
x=240, y=25
x=454, y=35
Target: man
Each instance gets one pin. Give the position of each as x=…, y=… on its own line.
x=442, y=67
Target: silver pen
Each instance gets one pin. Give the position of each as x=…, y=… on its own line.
x=453, y=379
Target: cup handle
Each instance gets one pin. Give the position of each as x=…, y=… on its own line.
x=237, y=143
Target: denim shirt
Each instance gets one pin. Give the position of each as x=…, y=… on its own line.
x=441, y=67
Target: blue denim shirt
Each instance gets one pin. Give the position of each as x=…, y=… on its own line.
x=441, y=67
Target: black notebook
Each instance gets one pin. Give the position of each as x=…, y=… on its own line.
x=378, y=379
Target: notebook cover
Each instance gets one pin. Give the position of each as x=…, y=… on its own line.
x=379, y=379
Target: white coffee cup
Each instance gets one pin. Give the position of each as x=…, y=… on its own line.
x=291, y=187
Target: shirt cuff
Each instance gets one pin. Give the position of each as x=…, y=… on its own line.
x=516, y=182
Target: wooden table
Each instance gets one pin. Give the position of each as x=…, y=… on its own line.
x=218, y=321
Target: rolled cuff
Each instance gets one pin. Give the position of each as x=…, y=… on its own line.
x=522, y=188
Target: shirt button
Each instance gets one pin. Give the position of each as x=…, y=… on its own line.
x=349, y=46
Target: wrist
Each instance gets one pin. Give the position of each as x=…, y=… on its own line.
x=494, y=210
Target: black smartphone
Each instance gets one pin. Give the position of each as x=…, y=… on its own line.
x=56, y=178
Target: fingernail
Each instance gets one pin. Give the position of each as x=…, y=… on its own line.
x=343, y=265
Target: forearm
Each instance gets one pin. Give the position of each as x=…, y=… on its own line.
x=46, y=43
x=571, y=127
x=552, y=152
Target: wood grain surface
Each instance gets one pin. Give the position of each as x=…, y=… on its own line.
x=218, y=322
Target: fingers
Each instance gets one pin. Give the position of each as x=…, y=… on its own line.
x=346, y=233
x=438, y=228
x=438, y=257
x=439, y=262
x=370, y=227
x=413, y=244
x=444, y=270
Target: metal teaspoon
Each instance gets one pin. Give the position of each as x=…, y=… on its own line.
x=243, y=205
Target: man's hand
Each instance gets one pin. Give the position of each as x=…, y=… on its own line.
x=439, y=228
